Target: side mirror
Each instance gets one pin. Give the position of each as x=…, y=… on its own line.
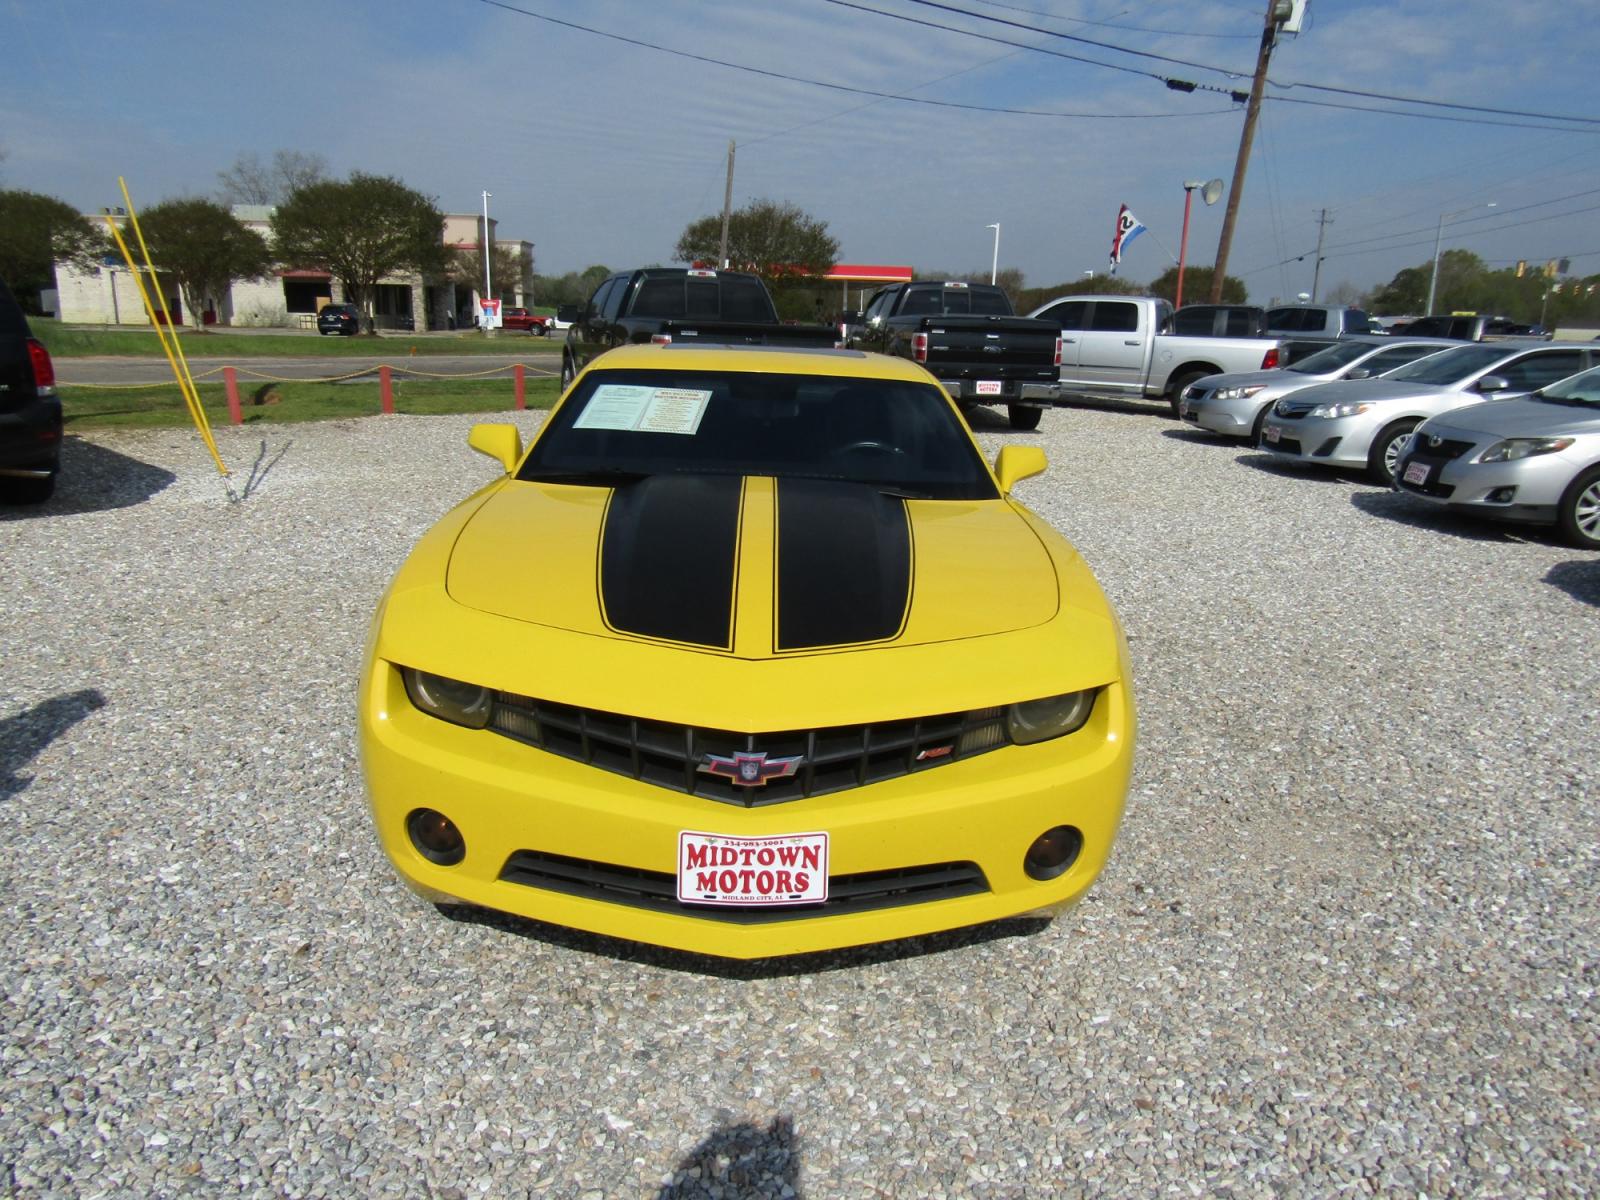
x=500, y=442
x=1492, y=383
x=1015, y=463
x=1358, y=373
x=568, y=313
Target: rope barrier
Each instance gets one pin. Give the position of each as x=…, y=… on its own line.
x=373, y=371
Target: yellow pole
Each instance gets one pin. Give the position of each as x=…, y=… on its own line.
x=191, y=401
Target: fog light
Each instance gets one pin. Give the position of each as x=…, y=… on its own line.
x=1501, y=495
x=436, y=837
x=1052, y=852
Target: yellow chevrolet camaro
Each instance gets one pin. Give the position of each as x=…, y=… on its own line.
x=749, y=653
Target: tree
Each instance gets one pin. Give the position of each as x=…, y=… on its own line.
x=776, y=241
x=575, y=287
x=360, y=230
x=204, y=248
x=251, y=181
x=1197, y=285
x=36, y=232
x=505, y=266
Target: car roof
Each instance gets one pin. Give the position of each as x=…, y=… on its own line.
x=775, y=360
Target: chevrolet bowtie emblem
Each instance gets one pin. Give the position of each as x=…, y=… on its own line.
x=751, y=769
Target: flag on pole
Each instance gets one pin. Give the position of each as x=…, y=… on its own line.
x=1128, y=228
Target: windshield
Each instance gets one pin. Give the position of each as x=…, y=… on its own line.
x=896, y=435
x=1331, y=358
x=1580, y=389
x=1452, y=366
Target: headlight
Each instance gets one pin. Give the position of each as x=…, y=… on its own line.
x=1052, y=717
x=1347, y=409
x=1514, y=448
x=449, y=699
x=1236, y=393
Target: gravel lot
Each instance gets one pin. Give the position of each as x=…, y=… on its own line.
x=1346, y=944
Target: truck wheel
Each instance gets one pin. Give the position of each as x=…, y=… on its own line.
x=1175, y=386
x=1024, y=416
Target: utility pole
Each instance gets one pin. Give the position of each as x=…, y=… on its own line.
x=1278, y=11
x=488, y=294
x=1322, y=223
x=727, y=209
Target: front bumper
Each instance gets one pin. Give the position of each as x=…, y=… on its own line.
x=1341, y=442
x=1234, y=418
x=1524, y=490
x=516, y=805
x=30, y=439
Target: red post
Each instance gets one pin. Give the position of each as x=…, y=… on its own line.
x=386, y=389
x=230, y=376
x=521, y=402
x=1183, y=246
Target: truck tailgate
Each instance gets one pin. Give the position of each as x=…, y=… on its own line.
x=991, y=345
x=737, y=333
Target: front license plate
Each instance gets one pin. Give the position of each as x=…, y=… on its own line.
x=752, y=872
x=988, y=387
x=1183, y=409
x=1417, y=473
x=1270, y=433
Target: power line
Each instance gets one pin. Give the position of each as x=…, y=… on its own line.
x=1235, y=74
x=857, y=91
x=1033, y=12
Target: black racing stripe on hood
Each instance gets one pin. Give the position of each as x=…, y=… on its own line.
x=844, y=564
x=669, y=556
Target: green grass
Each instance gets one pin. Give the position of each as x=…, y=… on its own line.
x=80, y=341
x=95, y=408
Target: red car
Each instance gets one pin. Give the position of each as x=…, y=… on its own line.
x=521, y=318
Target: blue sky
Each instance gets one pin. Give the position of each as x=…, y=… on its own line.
x=600, y=151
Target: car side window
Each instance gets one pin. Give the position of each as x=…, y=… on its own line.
x=1193, y=324
x=922, y=302
x=598, y=300
x=1395, y=356
x=1533, y=371
x=878, y=305
x=1283, y=320
x=1068, y=314
x=1111, y=316
x=619, y=294
x=1356, y=321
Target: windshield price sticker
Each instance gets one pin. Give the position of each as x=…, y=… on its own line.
x=751, y=872
x=638, y=408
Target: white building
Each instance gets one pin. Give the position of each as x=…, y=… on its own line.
x=286, y=298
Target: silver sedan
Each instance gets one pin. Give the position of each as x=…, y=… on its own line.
x=1235, y=404
x=1364, y=422
x=1535, y=459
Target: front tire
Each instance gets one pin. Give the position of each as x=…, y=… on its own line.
x=568, y=374
x=1024, y=416
x=1578, y=513
x=1175, y=387
x=1384, y=456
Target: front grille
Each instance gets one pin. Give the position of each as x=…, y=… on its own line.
x=1283, y=446
x=658, y=890
x=1432, y=488
x=1289, y=407
x=1446, y=450
x=670, y=755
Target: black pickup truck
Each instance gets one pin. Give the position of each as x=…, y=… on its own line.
x=678, y=304
x=968, y=337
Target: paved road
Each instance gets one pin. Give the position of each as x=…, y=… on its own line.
x=103, y=370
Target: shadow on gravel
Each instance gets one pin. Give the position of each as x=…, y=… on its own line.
x=1271, y=464
x=261, y=468
x=1402, y=509
x=94, y=479
x=1579, y=579
x=740, y=1162
x=756, y=968
x=25, y=735
x=1200, y=437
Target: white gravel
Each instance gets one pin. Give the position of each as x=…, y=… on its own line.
x=1346, y=944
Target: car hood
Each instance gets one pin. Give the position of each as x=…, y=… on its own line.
x=1525, y=418
x=753, y=568
x=1368, y=390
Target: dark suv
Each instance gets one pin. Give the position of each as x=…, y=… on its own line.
x=339, y=318
x=30, y=411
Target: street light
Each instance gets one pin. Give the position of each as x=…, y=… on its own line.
x=994, y=267
x=1209, y=195
x=1433, y=282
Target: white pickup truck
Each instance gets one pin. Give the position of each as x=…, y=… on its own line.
x=1112, y=347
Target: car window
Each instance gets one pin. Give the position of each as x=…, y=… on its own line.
x=1287, y=320
x=895, y=434
x=878, y=305
x=1397, y=356
x=1331, y=358
x=743, y=299
x=1241, y=322
x=991, y=304
x=922, y=302
x=1068, y=314
x=1198, y=323
x=1356, y=321
x=1111, y=316
x=1452, y=366
x=597, y=302
x=1533, y=371
x=1581, y=389
x=663, y=296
